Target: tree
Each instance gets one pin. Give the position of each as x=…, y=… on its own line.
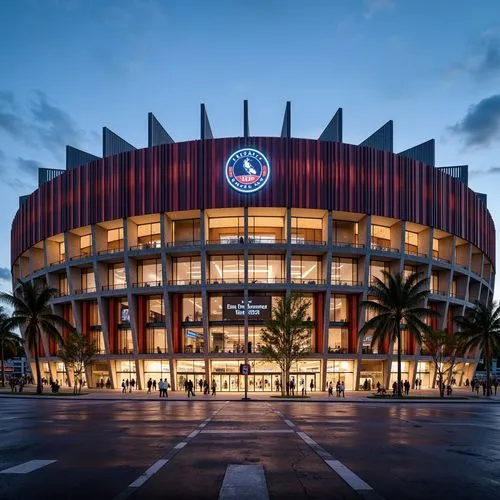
x=78, y=352
x=397, y=303
x=34, y=316
x=480, y=328
x=9, y=341
x=286, y=336
x=444, y=350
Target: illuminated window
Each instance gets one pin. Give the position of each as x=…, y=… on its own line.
x=191, y=307
x=345, y=232
x=115, y=239
x=344, y=271
x=306, y=269
x=307, y=230
x=338, y=308
x=155, y=309
x=88, y=280
x=186, y=270
x=86, y=245
x=116, y=276
x=149, y=234
x=149, y=272
x=186, y=231
x=376, y=270
x=411, y=242
x=227, y=269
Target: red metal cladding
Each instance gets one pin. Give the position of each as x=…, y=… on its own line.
x=304, y=174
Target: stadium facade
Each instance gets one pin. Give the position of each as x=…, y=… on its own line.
x=171, y=257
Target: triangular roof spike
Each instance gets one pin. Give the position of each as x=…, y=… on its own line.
x=425, y=152
x=246, y=123
x=157, y=135
x=205, y=129
x=113, y=144
x=333, y=131
x=286, y=129
x=76, y=157
x=382, y=139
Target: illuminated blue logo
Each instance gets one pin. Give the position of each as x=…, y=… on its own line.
x=247, y=170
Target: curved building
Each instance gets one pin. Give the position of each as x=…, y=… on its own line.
x=156, y=251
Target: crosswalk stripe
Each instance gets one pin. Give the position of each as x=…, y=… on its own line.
x=27, y=467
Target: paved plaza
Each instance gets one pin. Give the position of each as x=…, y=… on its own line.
x=99, y=448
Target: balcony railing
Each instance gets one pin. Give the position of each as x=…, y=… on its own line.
x=415, y=253
x=114, y=286
x=347, y=244
x=90, y=289
x=110, y=250
x=226, y=281
x=299, y=281
x=142, y=284
x=81, y=255
x=146, y=246
x=441, y=259
x=338, y=282
x=61, y=260
x=438, y=292
x=252, y=281
x=183, y=243
x=184, y=282
x=300, y=241
x=383, y=248
x=61, y=293
x=337, y=350
x=156, y=350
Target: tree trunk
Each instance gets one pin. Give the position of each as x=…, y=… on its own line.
x=488, y=361
x=3, y=369
x=398, y=326
x=39, y=385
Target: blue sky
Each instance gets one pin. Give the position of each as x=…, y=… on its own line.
x=69, y=67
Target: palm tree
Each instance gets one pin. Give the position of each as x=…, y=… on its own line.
x=397, y=303
x=8, y=339
x=286, y=336
x=33, y=315
x=480, y=327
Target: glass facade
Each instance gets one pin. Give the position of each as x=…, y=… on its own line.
x=306, y=269
x=344, y=271
x=186, y=271
x=149, y=272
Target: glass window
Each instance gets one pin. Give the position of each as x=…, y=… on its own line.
x=345, y=232
x=156, y=340
x=435, y=282
x=86, y=245
x=344, y=271
x=227, y=339
x=88, y=280
x=215, y=308
x=63, y=285
x=94, y=316
x=453, y=292
x=337, y=340
x=97, y=337
x=187, y=270
x=411, y=242
x=306, y=230
x=227, y=268
x=187, y=231
x=265, y=229
x=376, y=268
x=381, y=236
x=148, y=234
x=435, y=247
x=265, y=268
x=149, y=272
x=155, y=309
x=62, y=251
x=191, y=307
x=115, y=239
x=338, y=308
x=123, y=312
x=125, y=343
x=408, y=270
x=116, y=276
x=306, y=269
x=193, y=339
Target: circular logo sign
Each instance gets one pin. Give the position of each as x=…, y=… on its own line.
x=247, y=170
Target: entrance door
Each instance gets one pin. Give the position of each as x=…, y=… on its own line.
x=194, y=377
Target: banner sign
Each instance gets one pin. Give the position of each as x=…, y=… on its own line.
x=258, y=308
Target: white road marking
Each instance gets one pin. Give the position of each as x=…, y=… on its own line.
x=179, y=446
x=150, y=472
x=246, y=431
x=193, y=434
x=244, y=482
x=28, y=467
x=289, y=423
x=307, y=439
x=354, y=481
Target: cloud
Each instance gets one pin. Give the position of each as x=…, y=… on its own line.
x=373, y=7
x=488, y=171
x=483, y=60
x=42, y=124
x=481, y=125
x=5, y=274
x=29, y=167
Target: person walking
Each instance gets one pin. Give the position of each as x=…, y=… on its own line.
x=150, y=384
x=330, y=389
x=214, y=388
x=200, y=384
x=311, y=385
x=190, y=388
x=338, y=388
x=124, y=387
x=154, y=385
x=342, y=388
x=127, y=383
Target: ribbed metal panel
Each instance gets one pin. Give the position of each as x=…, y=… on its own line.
x=382, y=139
x=483, y=197
x=113, y=144
x=157, y=135
x=246, y=122
x=425, y=152
x=460, y=172
x=22, y=199
x=76, y=157
x=205, y=128
x=47, y=174
x=333, y=131
x=286, y=129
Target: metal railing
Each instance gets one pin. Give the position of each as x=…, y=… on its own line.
x=114, y=286
x=57, y=262
x=81, y=255
x=90, y=289
x=415, y=253
x=142, y=284
x=184, y=282
x=110, y=250
x=382, y=248
x=344, y=244
x=299, y=281
x=146, y=246
x=295, y=241
x=183, y=243
x=336, y=282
